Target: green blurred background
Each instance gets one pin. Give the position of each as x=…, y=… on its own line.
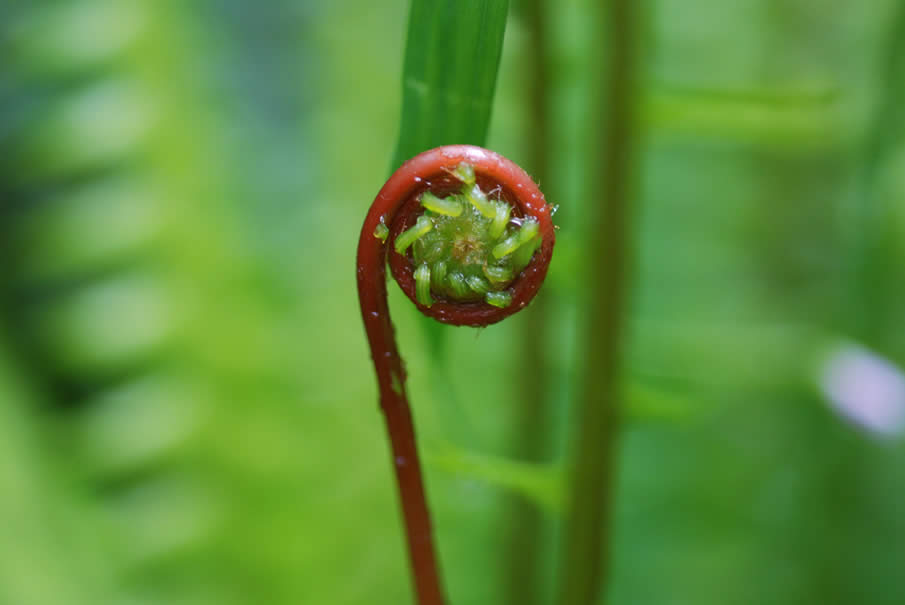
x=187, y=409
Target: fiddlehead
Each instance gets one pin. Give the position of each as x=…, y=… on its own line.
x=468, y=236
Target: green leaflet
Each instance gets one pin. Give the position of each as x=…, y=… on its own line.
x=541, y=484
x=774, y=118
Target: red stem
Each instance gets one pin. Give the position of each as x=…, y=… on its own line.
x=396, y=206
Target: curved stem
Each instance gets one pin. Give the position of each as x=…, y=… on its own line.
x=372, y=293
x=395, y=209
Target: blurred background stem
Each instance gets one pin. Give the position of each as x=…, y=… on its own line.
x=874, y=304
x=586, y=540
x=530, y=437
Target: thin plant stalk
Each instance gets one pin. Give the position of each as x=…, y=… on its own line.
x=531, y=422
x=583, y=574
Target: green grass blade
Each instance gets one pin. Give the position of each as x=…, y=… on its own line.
x=449, y=77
